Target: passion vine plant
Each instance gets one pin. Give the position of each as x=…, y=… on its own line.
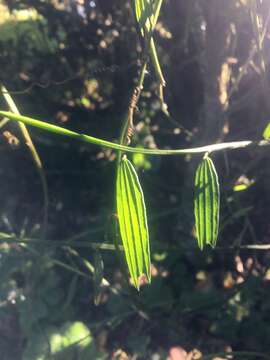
x=130, y=206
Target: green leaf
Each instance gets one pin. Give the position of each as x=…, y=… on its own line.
x=206, y=203
x=147, y=13
x=73, y=340
x=266, y=133
x=132, y=218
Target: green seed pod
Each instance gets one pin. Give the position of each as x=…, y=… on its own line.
x=206, y=203
x=133, y=222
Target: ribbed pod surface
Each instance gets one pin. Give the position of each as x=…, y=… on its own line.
x=132, y=219
x=206, y=203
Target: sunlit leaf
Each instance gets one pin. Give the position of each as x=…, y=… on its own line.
x=133, y=222
x=73, y=340
x=206, y=203
x=240, y=187
x=266, y=133
x=243, y=183
x=147, y=13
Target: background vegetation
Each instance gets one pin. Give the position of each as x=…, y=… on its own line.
x=74, y=63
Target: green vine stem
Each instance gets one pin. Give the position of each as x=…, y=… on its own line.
x=129, y=123
x=12, y=239
x=239, y=354
x=107, y=144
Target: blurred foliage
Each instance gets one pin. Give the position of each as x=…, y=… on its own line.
x=74, y=63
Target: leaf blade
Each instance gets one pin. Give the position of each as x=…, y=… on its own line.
x=206, y=203
x=147, y=13
x=142, y=217
x=133, y=222
x=266, y=132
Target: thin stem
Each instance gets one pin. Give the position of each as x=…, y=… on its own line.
x=129, y=122
x=107, y=144
x=12, y=239
x=69, y=268
x=242, y=354
x=35, y=156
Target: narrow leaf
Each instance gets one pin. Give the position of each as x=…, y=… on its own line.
x=266, y=133
x=33, y=151
x=206, y=203
x=98, y=277
x=132, y=218
x=147, y=13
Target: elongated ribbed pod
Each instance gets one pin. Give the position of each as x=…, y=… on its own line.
x=206, y=203
x=132, y=221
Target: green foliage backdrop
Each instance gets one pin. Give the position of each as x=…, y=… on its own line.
x=63, y=294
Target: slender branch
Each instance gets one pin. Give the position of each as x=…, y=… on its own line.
x=35, y=156
x=107, y=144
x=242, y=354
x=252, y=247
x=12, y=239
